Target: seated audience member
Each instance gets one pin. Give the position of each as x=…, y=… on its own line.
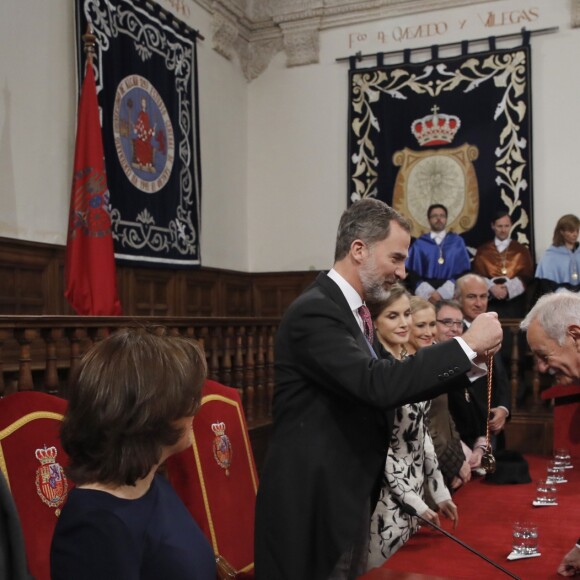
x=437, y=259
x=559, y=268
x=411, y=460
x=507, y=268
x=450, y=451
x=469, y=408
x=131, y=406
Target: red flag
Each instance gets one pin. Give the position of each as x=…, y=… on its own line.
x=91, y=285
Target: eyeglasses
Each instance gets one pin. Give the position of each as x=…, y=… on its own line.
x=449, y=323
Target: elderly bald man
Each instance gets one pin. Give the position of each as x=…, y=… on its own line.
x=553, y=329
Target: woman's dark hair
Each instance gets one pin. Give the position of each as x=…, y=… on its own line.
x=567, y=223
x=396, y=291
x=124, y=400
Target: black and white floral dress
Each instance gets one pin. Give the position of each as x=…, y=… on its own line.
x=411, y=464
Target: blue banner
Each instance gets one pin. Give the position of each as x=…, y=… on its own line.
x=146, y=69
x=455, y=131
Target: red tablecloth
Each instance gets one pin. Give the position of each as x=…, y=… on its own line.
x=486, y=514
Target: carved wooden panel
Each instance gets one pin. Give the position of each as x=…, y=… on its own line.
x=237, y=296
x=200, y=294
x=273, y=293
x=147, y=292
x=32, y=282
x=28, y=279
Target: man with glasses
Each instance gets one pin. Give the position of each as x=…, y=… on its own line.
x=436, y=259
x=469, y=408
x=553, y=332
x=446, y=440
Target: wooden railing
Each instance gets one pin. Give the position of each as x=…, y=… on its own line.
x=38, y=352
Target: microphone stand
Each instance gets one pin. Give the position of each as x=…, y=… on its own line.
x=413, y=512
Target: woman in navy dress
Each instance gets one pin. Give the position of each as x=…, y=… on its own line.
x=131, y=406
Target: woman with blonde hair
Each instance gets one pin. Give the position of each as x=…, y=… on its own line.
x=411, y=460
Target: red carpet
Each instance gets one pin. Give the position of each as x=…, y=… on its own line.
x=486, y=514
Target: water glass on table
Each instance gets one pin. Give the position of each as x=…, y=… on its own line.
x=562, y=457
x=546, y=493
x=525, y=538
x=556, y=472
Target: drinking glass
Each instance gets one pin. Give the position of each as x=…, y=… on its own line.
x=555, y=472
x=562, y=457
x=525, y=538
x=546, y=492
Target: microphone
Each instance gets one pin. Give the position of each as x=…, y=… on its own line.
x=411, y=511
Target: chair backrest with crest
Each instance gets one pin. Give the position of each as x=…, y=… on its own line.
x=217, y=480
x=32, y=459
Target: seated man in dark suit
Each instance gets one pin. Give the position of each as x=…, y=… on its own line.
x=470, y=407
x=328, y=448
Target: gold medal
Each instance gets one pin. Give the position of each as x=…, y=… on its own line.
x=504, y=271
x=441, y=260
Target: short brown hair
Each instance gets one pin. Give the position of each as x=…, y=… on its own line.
x=124, y=401
x=567, y=223
x=368, y=220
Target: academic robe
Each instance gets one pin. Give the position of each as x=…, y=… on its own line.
x=424, y=256
x=517, y=261
x=559, y=268
x=332, y=415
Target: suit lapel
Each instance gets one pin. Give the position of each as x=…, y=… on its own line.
x=332, y=290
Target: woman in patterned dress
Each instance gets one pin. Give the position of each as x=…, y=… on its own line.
x=411, y=460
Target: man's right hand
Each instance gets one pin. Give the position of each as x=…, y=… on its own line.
x=485, y=333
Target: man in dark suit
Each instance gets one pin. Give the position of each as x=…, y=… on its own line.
x=331, y=425
x=469, y=408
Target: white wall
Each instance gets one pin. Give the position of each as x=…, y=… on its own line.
x=37, y=130
x=273, y=150
x=298, y=127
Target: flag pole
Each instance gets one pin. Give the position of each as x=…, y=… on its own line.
x=90, y=274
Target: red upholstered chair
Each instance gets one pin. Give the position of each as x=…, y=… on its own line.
x=216, y=479
x=31, y=459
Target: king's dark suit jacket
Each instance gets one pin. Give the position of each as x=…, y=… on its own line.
x=332, y=425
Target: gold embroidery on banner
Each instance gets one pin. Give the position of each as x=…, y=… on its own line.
x=506, y=70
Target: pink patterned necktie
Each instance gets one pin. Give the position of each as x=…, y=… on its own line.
x=367, y=322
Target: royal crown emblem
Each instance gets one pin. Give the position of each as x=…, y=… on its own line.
x=222, y=447
x=51, y=482
x=435, y=129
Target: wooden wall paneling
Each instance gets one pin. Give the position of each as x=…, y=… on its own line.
x=237, y=294
x=25, y=278
x=273, y=293
x=200, y=293
x=32, y=282
x=150, y=292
